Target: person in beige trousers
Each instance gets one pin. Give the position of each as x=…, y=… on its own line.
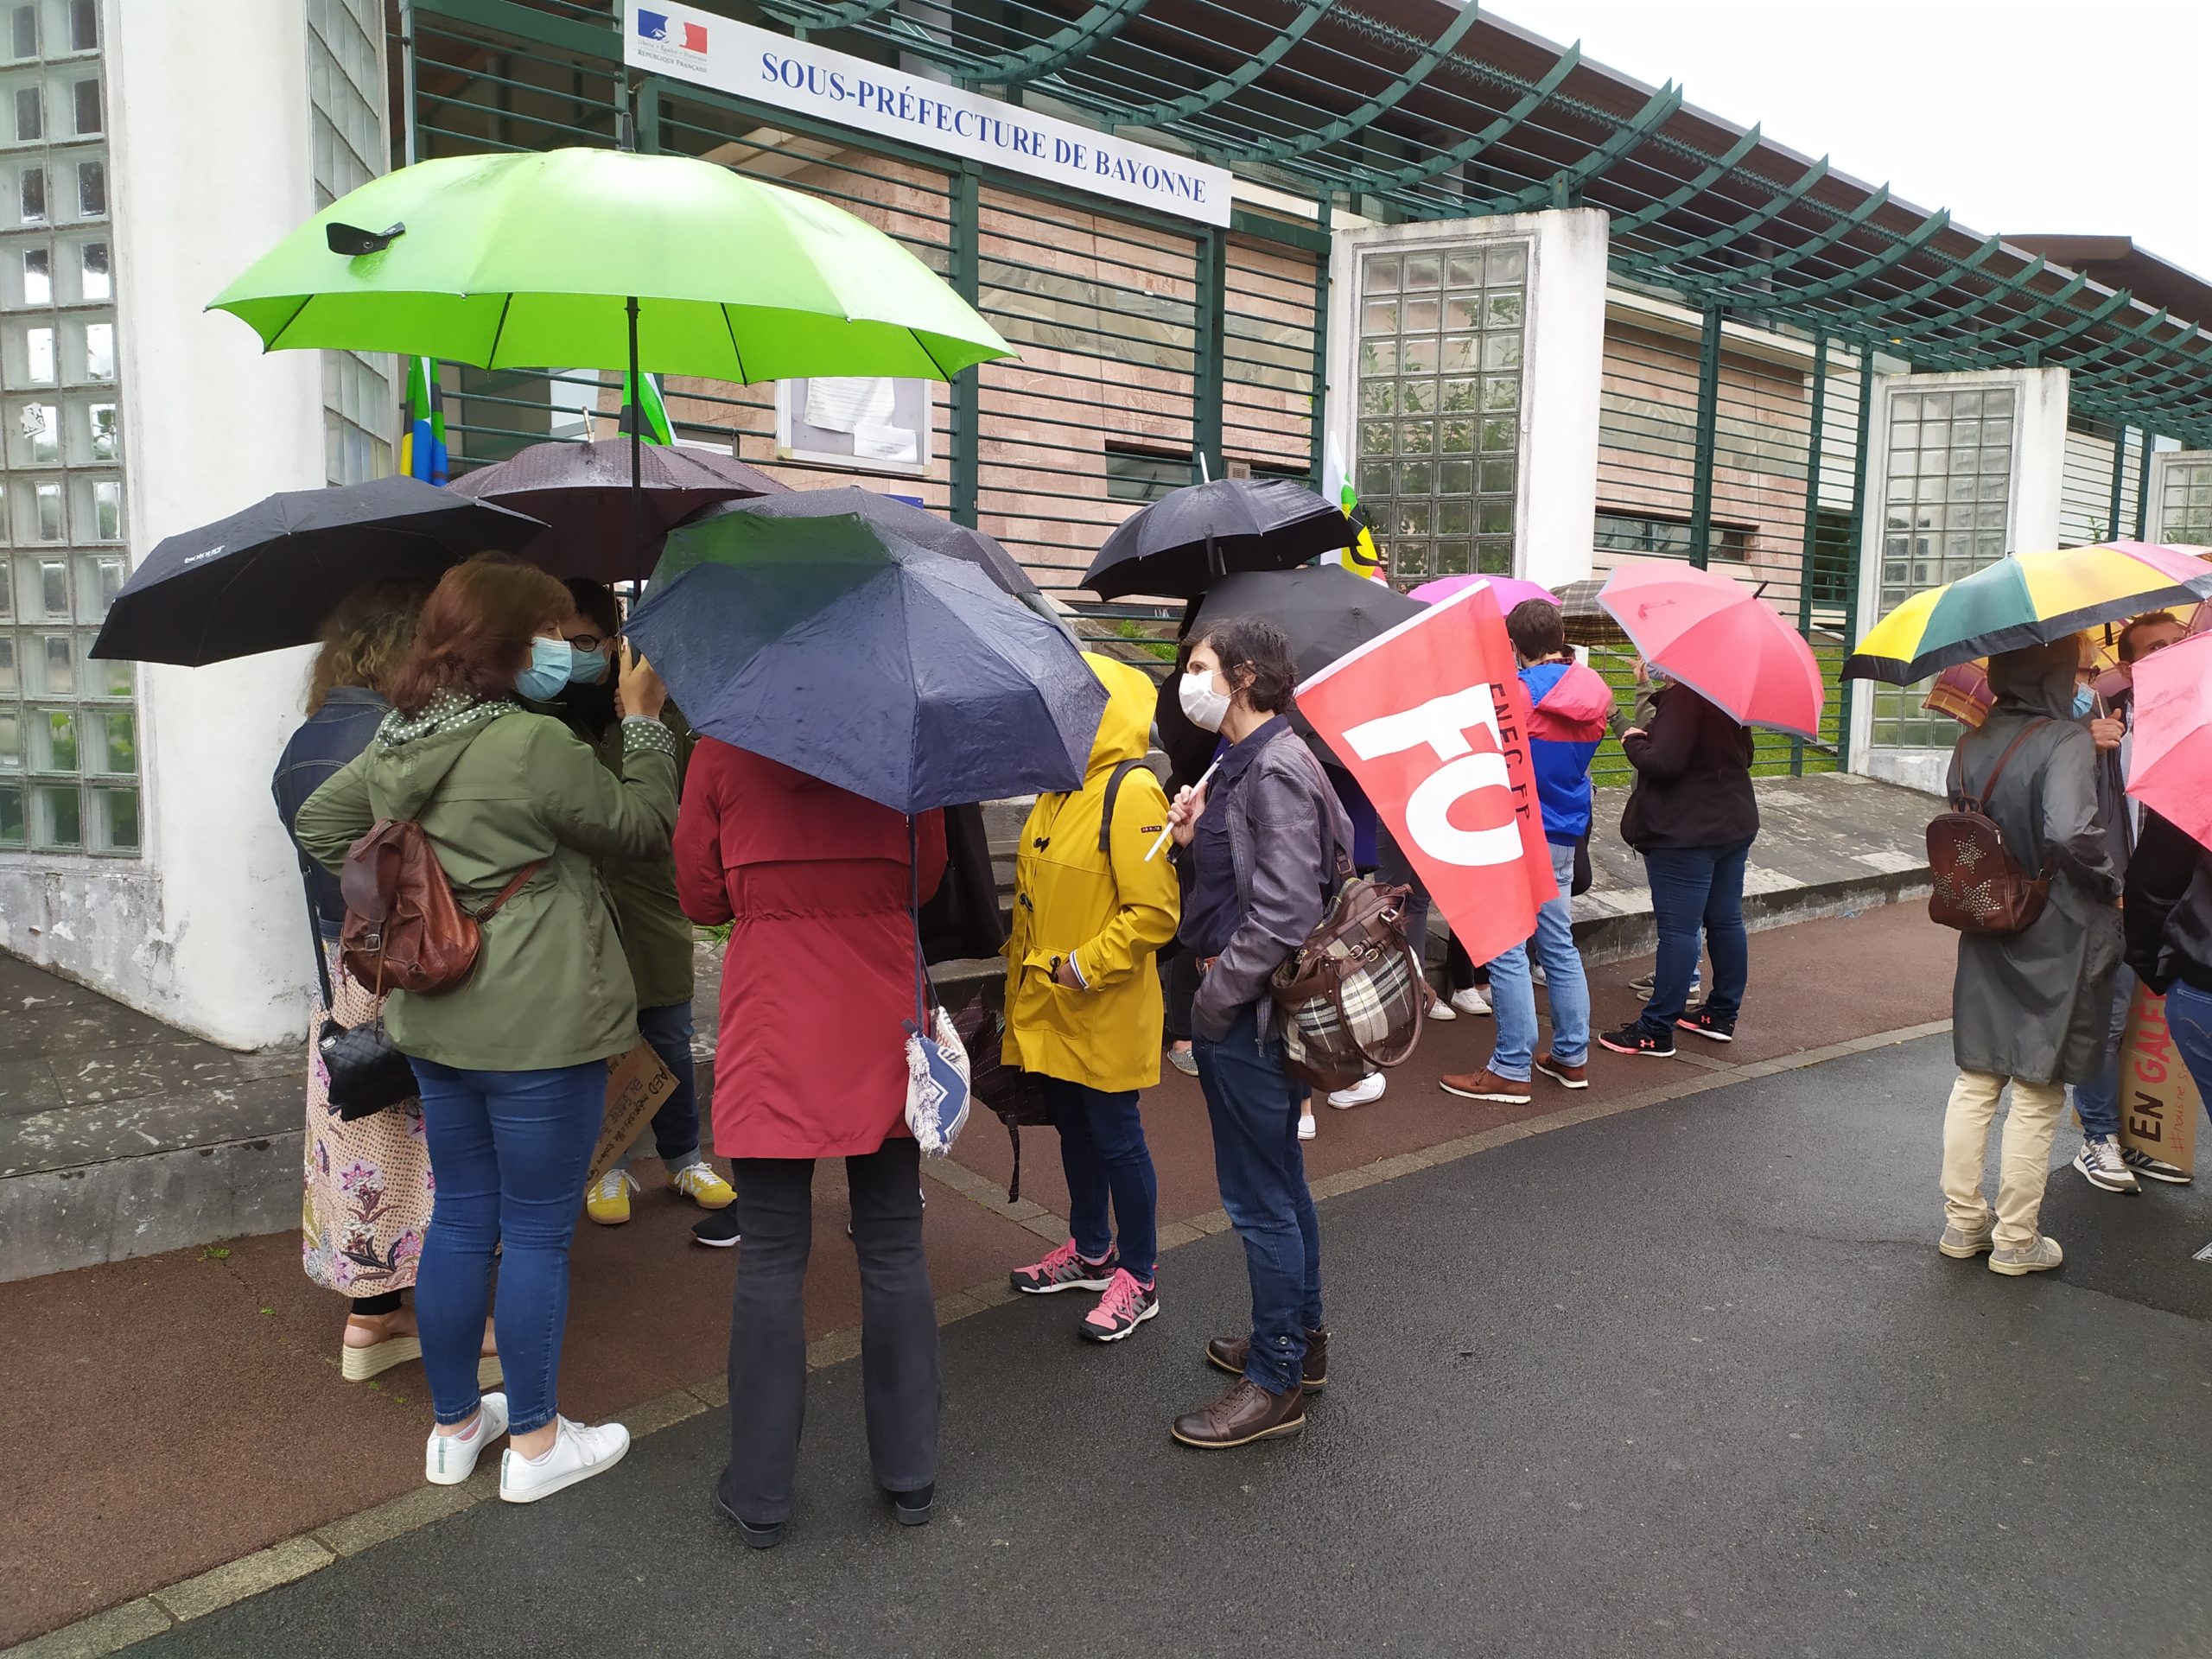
x=2027, y=1009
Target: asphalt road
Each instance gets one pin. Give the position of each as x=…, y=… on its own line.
x=1690, y=1381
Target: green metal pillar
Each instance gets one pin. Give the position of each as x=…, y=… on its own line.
x=966, y=388
x=1320, y=399
x=1708, y=423
x=1858, y=540
x=2118, y=478
x=1209, y=381
x=1809, y=539
x=2143, y=486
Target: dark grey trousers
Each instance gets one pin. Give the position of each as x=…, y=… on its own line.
x=899, y=1372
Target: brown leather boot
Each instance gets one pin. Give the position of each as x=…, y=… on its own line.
x=1247, y=1413
x=1230, y=1353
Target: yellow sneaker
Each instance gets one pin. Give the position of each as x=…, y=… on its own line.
x=608, y=1202
x=698, y=1181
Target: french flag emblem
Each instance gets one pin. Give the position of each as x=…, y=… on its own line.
x=655, y=26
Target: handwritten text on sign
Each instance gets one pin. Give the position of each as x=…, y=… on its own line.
x=709, y=49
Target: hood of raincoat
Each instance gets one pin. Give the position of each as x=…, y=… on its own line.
x=2038, y=679
x=1105, y=907
x=410, y=758
x=1125, y=729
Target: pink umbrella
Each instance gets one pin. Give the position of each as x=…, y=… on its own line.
x=1719, y=638
x=2169, y=761
x=1510, y=590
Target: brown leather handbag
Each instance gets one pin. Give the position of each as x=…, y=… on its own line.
x=1978, y=886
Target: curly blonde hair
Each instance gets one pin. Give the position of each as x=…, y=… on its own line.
x=366, y=639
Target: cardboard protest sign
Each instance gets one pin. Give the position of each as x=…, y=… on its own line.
x=2159, y=1101
x=1433, y=720
x=637, y=1084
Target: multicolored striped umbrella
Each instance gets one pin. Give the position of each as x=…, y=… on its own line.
x=2027, y=599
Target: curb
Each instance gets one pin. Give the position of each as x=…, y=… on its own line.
x=295, y=1557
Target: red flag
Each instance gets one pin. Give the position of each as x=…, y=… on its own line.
x=1433, y=720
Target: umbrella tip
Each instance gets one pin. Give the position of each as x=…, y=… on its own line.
x=352, y=241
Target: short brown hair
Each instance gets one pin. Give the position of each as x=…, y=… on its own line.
x=475, y=632
x=1249, y=642
x=1534, y=627
x=2147, y=620
x=366, y=639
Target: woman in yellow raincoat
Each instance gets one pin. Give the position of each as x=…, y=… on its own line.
x=1082, y=1002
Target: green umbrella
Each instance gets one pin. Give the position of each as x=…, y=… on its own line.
x=605, y=259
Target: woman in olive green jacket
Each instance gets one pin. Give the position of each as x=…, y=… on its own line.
x=511, y=1063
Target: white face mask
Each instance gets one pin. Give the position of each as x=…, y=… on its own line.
x=1204, y=706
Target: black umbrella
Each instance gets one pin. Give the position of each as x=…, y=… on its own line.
x=866, y=661
x=270, y=577
x=894, y=518
x=1179, y=545
x=583, y=493
x=1324, y=610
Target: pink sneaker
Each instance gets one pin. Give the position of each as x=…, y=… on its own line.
x=1125, y=1306
x=1065, y=1269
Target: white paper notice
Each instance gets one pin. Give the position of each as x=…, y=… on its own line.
x=873, y=442
x=845, y=405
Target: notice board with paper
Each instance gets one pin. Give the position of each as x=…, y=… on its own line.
x=2159, y=1101
x=872, y=424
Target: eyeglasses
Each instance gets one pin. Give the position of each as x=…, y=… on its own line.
x=586, y=641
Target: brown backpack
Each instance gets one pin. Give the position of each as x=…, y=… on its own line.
x=1978, y=888
x=404, y=931
x=1352, y=997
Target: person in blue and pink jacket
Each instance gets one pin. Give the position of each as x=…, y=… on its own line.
x=1571, y=705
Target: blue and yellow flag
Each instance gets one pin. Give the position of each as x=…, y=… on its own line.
x=422, y=445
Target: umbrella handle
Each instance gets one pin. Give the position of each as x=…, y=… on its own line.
x=1153, y=852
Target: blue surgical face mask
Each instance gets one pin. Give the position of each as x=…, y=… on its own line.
x=589, y=667
x=2084, y=700
x=550, y=661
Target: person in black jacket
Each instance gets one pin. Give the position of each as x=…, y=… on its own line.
x=2167, y=913
x=1693, y=816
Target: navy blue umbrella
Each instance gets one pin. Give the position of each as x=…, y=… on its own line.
x=866, y=661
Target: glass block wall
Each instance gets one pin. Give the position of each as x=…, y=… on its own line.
x=345, y=92
x=1439, y=437
x=2185, y=500
x=1948, y=473
x=68, y=730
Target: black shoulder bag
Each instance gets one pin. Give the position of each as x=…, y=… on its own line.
x=367, y=1074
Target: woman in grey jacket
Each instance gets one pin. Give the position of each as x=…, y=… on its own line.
x=2028, y=1006
x=1255, y=845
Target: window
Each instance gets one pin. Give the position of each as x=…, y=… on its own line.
x=99, y=351
x=39, y=350
x=1623, y=532
x=38, y=276
x=31, y=194
x=97, y=284
x=84, y=25
x=30, y=116
x=1947, y=469
x=346, y=150
x=49, y=530
x=87, y=100
x=1144, y=475
x=103, y=419
x=1439, y=437
x=92, y=189
x=2185, y=500
x=107, y=510
x=23, y=31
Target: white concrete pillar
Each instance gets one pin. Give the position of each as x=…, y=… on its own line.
x=1560, y=358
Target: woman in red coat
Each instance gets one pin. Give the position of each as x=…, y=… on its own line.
x=817, y=990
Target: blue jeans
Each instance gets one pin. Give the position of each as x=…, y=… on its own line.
x=1253, y=1105
x=2189, y=1020
x=2097, y=1102
x=1103, y=1153
x=509, y=1150
x=1513, y=997
x=1690, y=885
x=675, y=1125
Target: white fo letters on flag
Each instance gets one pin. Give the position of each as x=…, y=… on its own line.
x=1442, y=723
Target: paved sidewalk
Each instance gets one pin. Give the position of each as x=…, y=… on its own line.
x=1687, y=1383
x=218, y=1425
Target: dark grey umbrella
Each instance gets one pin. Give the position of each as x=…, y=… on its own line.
x=1179, y=545
x=269, y=576
x=894, y=518
x=1325, y=611
x=866, y=661
x=583, y=493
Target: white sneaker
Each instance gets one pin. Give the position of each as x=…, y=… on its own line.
x=1440, y=1009
x=1369, y=1088
x=2100, y=1161
x=579, y=1451
x=451, y=1459
x=1307, y=1129
x=1470, y=1001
